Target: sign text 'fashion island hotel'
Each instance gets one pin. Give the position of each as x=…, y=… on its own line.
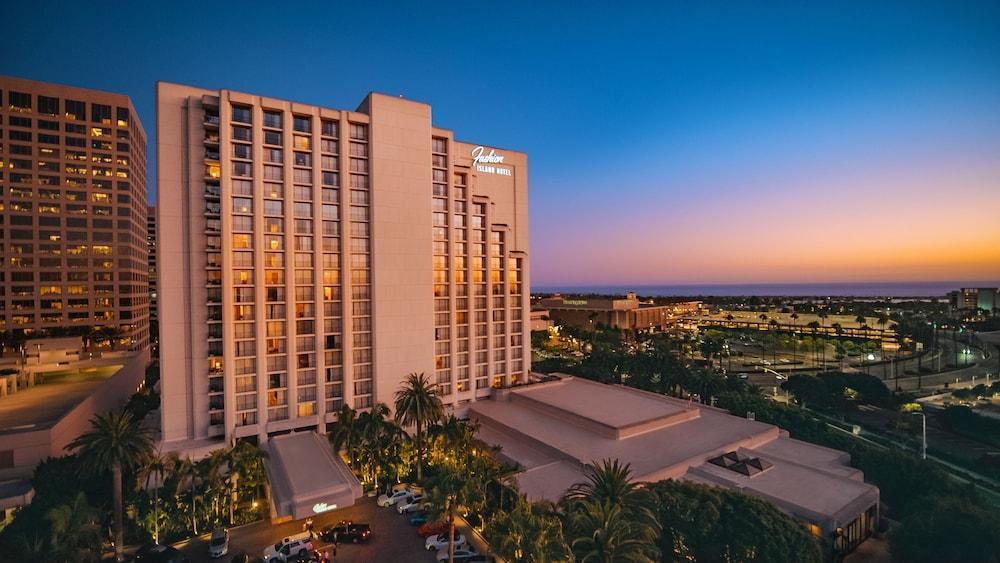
x=311, y=258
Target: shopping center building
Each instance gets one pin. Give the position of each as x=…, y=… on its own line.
x=552, y=430
x=313, y=257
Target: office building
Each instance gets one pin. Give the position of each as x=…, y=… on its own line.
x=72, y=214
x=311, y=258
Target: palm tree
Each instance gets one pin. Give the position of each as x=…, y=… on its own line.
x=418, y=404
x=610, y=480
x=823, y=315
x=116, y=442
x=814, y=327
x=448, y=491
x=347, y=433
x=152, y=474
x=795, y=334
x=187, y=474
x=76, y=531
x=774, y=325
x=246, y=463
x=528, y=533
x=605, y=534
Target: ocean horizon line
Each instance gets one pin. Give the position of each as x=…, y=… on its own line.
x=807, y=289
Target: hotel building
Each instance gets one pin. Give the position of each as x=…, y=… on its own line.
x=313, y=257
x=72, y=212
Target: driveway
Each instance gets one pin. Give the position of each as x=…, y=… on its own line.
x=393, y=538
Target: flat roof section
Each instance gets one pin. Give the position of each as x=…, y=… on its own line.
x=630, y=413
x=42, y=405
x=307, y=477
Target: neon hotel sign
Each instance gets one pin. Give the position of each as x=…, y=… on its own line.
x=487, y=162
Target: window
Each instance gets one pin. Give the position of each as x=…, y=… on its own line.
x=100, y=113
x=359, y=132
x=48, y=106
x=302, y=123
x=122, y=117
x=272, y=138
x=241, y=114
x=329, y=128
x=18, y=101
x=76, y=111
x=272, y=119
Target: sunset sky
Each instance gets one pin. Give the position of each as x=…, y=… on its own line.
x=722, y=143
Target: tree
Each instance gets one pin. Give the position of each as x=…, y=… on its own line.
x=947, y=530
x=76, y=530
x=589, y=507
x=704, y=523
x=418, y=404
x=814, y=327
x=151, y=474
x=347, y=433
x=116, y=442
x=528, y=533
x=448, y=491
x=246, y=465
x=823, y=315
x=604, y=533
x=186, y=475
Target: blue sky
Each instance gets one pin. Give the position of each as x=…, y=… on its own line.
x=708, y=143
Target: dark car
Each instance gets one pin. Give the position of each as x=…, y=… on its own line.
x=346, y=532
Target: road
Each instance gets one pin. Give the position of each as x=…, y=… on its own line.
x=393, y=538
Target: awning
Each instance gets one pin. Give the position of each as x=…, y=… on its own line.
x=307, y=477
x=13, y=494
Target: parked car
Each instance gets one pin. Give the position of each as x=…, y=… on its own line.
x=411, y=504
x=393, y=498
x=219, y=544
x=415, y=489
x=432, y=529
x=346, y=531
x=418, y=518
x=461, y=554
x=441, y=540
x=297, y=545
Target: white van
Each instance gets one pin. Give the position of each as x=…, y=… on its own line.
x=297, y=545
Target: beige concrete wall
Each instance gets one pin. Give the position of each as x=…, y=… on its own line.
x=402, y=274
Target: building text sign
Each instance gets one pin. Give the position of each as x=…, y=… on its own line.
x=488, y=162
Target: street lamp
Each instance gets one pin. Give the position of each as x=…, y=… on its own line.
x=923, y=448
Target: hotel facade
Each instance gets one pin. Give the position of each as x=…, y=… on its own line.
x=72, y=213
x=311, y=258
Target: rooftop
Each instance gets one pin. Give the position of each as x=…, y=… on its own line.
x=42, y=405
x=553, y=429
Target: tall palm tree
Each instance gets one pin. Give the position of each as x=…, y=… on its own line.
x=418, y=404
x=814, y=327
x=347, y=433
x=823, y=315
x=76, y=530
x=795, y=334
x=116, y=442
x=447, y=492
x=246, y=464
x=151, y=474
x=611, y=480
x=604, y=533
x=528, y=533
x=186, y=473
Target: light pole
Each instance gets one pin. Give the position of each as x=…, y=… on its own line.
x=923, y=448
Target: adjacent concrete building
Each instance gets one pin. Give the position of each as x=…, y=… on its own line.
x=317, y=256
x=72, y=213
x=551, y=430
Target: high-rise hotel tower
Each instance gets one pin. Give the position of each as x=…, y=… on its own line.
x=72, y=214
x=311, y=258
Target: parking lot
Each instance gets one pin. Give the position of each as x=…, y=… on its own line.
x=393, y=538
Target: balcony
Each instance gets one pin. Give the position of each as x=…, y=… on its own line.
x=211, y=138
x=212, y=191
x=211, y=120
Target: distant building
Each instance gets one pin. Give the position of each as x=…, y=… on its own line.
x=969, y=298
x=73, y=203
x=552, y=430
x=540, y=320
x=627, y=313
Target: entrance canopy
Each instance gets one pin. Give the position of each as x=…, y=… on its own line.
x=307, y=477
